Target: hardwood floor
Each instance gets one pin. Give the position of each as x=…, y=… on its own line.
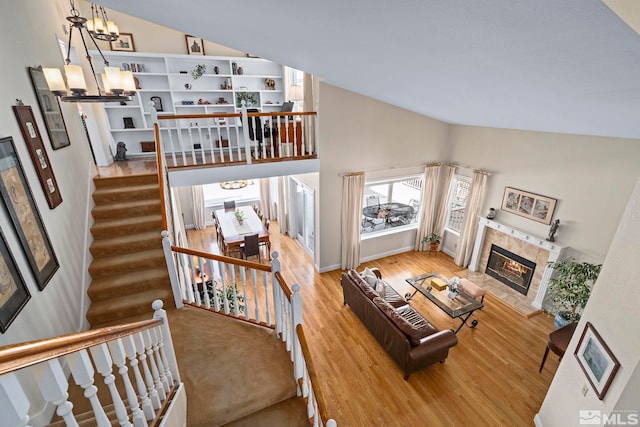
x=489, y=379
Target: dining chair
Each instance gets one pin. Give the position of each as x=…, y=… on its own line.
x=373, y=200
x=251, y=246
x=230, y=205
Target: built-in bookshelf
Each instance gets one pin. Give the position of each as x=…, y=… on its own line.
x=171, y=84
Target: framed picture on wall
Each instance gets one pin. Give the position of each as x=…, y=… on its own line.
x=596, y=360
x=50, y=109
x=195, y=45
x=124, y=43
x=13, y=291
x=39, y=157
x=18, y=198
x=529, y=205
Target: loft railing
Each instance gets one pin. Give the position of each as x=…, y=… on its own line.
x=144, y=347
x=255, y=293
x=235, y=138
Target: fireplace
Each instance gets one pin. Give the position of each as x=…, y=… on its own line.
x=510, y=269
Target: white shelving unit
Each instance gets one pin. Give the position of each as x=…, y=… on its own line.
x=169, y=77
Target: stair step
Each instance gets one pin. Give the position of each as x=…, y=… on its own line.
x=127, y=284
x=126, y=209
x=118, y=265
x=291, y=413
x=125, y=180
x=126, y=226
x=129, y=192
x=126, y=244
x=127, y=305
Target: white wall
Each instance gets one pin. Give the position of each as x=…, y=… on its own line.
x=60, y=307
x=591, y=177
x=360, y=134
x=150, y=37
x=612, y=309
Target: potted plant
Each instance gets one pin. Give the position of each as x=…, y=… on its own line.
x=239, y=216
x=249, y=98
x=433, y=240
x=570, y=288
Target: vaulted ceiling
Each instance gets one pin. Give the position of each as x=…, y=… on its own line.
x=569, y=66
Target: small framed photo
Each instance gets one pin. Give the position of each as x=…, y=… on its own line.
x=195, y=45
x=596, y=360
x=124, y=43
x=529, y=205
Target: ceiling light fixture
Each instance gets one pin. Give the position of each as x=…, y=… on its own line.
x=100, y=27
x=118, y=85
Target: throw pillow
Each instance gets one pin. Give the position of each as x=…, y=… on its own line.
x=380, y=287
x=369, y=277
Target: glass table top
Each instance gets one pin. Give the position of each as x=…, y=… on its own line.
x=455, y=307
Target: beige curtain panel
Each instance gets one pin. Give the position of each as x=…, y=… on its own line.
x=352, y=195
x=428, y=207
x=470, y=223
x=443, y=206
x=199, y=214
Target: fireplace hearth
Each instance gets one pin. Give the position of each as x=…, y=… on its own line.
x=510, y=269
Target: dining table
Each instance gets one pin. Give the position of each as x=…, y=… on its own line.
x=233, y=232
x=393, y=213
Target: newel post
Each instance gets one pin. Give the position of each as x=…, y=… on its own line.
x=277, y=292
x=160, y=313
x=173, y=271
x=245, y=133
x=296, y=319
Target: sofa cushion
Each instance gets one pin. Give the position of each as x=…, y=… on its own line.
x=392, y=297
x=414, y=326
x=369, y=276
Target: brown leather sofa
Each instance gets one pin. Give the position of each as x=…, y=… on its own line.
x=411, y=341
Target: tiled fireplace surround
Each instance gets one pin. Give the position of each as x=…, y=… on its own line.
x=527, y=246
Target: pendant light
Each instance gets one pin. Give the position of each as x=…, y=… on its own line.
x=100, y=27
x=118, y=86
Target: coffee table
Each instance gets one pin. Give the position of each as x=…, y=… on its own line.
x=460, y=307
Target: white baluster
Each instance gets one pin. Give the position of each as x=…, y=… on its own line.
x=54, y=386
x=296, y=319
x=265, y=282
x=119, y=357
x=152, y=365
x=171, y=266
x=155, y=345
x=163, y=355
x=277, y=291
x=147, y=405
x=82, y=372
x=104, y=364
x=254, y=280
x=14, y=403
x=332, y=423
x=169, y=352
x=148, y=378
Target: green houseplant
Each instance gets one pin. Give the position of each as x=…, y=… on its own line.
x=198, y=71
x=239, y=215
x=230, y=291
x=570, y=288
x=249, y=98
x=433, y=240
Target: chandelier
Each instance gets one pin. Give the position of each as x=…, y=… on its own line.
x=117, y=85
x=100, y=27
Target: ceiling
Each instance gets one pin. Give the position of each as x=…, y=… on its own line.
x=570, y=66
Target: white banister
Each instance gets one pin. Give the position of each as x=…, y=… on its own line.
x=104, y=363
x=155, y=346
x=119, y=358
x=166, y=348
x=82, y=372
x=14, y=404
x=54, y=386
x=147, y=405
x=148, y=378
x=245, y=133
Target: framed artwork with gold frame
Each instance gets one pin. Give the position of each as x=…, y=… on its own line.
x=13, y=291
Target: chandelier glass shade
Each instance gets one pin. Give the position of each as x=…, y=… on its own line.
x=100, y=27
x=117, y=85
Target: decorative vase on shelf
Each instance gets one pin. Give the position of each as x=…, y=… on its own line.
x=491, y=214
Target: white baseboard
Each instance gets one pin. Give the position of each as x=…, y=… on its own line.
x=537, y=421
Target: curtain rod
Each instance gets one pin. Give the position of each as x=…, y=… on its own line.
x=469, y=168
x=387, y=169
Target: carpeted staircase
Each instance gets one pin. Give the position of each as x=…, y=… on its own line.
x=128, y=268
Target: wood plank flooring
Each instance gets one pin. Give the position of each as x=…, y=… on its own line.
x=489, y=379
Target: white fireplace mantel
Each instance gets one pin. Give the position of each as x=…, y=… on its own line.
x=555, y=250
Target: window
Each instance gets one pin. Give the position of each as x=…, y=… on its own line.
x=215, y=194
x=391, y=204
x=458, y=195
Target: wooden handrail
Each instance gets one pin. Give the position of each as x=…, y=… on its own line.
x=231, y=260
x=313, y=376
x=279, y=113
x=283, y=285
x=18, y=356
x=160, y=167
x=198, y=116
